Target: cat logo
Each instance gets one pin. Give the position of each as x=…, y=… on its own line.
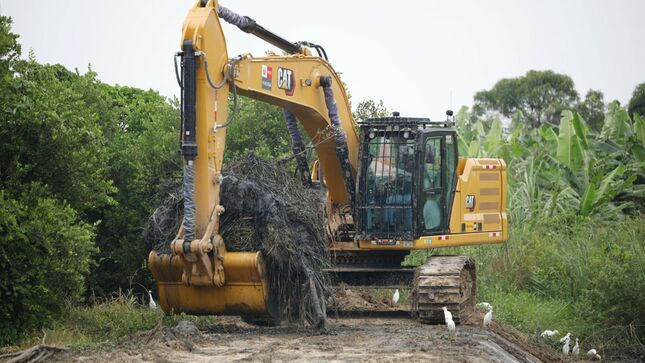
x=286, y=80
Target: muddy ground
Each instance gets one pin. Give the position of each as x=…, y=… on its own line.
x=350, y=339
x=361, y=328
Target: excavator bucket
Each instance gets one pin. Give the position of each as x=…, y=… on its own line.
x=245, y=291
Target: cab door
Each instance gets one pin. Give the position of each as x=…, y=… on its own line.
x=438, y=160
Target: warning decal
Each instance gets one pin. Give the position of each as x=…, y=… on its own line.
x=267, y=77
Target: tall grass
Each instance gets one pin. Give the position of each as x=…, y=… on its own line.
x=109, y=321
x=567, y=273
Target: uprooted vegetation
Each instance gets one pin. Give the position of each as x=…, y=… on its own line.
x=266, y=210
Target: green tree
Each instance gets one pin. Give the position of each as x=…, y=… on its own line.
x=45, y=254
x=9, y=53
x=52, y=174
x=80, y=162
x=637, y=102
x=142, y=128
x=51, y=136
x=539, y=95
x=370, y=108
x=592, y=109
x=259, y=127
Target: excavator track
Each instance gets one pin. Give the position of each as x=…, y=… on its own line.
x=449, y=281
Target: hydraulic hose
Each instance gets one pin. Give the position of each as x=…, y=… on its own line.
x=189, y=139
x=341, y=140
x=249, y=25
x=189, y=203
x=298, y=147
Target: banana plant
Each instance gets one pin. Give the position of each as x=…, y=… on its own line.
x=572, y=141
x=565, y=168
x=616, y=126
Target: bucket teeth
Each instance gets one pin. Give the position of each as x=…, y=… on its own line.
x=448, y=281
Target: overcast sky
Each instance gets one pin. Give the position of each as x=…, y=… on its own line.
x=419, y=57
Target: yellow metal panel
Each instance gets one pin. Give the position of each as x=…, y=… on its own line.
x=485, y=179
x=490, y=218
x=486, y=206
x=488, y=191
x=245, y=292
x=441, y=241
x=307, y=103
x=487, y=176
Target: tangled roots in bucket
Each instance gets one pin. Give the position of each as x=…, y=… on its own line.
x=163, y=224
x=269, y=211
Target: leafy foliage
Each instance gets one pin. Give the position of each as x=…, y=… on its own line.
x=44, y=255
x=575, y=209
x=370, y=108
x=80, y=164
x=637, y=102
x=564, y=169
x=51, y=135
x=539, y=96
x=142, y=128
x=592, y=109
x=258, y=127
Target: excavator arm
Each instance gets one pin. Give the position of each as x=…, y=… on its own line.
x=200, y=276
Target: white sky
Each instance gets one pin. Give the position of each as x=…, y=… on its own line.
x=411, y=54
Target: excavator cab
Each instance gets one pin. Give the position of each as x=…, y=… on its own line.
x=406, y=178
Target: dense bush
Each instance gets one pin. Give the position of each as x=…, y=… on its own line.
x=44, y=255
x=142, y=129
x=617, y=283
x=80, y=164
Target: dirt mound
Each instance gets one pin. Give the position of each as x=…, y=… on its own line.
x=347, y=299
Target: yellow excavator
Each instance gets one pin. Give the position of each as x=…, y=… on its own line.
x=393, y=184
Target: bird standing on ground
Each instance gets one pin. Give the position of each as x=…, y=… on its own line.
x=395, y=297
x=549, y=333
x=447, y=315
x=565, y=347
x=576, y=348
x=152, y=303
x=593, y=354
x=488, y=318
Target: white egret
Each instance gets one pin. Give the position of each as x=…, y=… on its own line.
x=592, y=353
x=576, y=348
x=152, y=303
x=565, y=347
x=395, y=297
x=549, y=333
x=488, y=318
x=448, y=317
